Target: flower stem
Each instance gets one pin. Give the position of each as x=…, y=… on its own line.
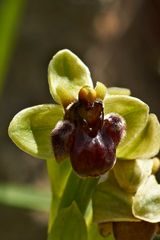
x=76, y=189
x=79, y=190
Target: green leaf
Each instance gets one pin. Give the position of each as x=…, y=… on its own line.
x=66, y=75
x=119, y=91
x=30, y=129
x=147, y=144
x=156, y=237
x=135, y=113
x=111, y=203
x=146, y=203
x=68, y=225
x=130, y=174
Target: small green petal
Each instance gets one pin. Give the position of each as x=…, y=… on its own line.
x=135, y=113
x=30, y=129
x=119, y=91
x=146, y=203
x=111, y=203
x=66, y=75
x=147, y=144
x=130, y=174
x=101, y=90
x=69, y=224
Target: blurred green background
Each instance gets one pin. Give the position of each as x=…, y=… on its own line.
x=120, y=42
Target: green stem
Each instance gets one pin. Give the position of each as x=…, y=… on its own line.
x=79, y=190
x=58, y=174
x=76, y=189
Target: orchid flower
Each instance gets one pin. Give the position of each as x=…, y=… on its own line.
x=109, y=139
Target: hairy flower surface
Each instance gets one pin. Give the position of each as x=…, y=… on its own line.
x=88, y=138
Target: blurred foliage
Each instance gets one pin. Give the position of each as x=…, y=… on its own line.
x=26, y=197
x=10, y=15
x=157, y=238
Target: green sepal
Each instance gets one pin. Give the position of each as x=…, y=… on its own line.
x=135, y=112
x=130, y=174
x=119, y=91
x=146, y=203
x=147, y=144
x=111, y=203
x=30, y=129
x=66, y=75
x=69, y=224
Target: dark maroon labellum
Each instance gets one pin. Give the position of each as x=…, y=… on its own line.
x=86, y=137
x=92, y=156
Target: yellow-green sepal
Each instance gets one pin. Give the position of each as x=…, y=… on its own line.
x=147, y=144
x=30, y=129
x=111, y=203
x=146, y=202
x=131, y=174
x=135, y=112
x=66, y=75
